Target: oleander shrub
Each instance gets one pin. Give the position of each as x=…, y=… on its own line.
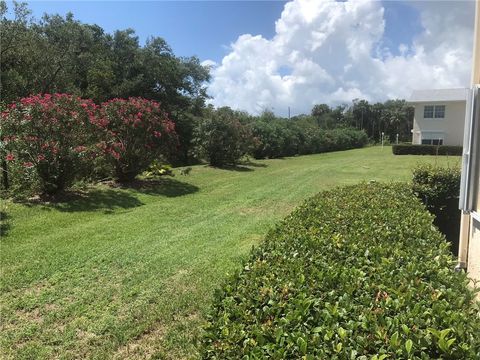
x=133, y=133
x=354, y=273
x=415, y=149
x=222, y=140
x=45, y=138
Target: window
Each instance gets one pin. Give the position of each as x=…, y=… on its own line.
x=434, y=112
x=428, y=112
x=439, y=111
x=432, y=141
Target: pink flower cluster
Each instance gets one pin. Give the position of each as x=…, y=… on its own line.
x=50, y=127
x=38, y=127
x=143, y=116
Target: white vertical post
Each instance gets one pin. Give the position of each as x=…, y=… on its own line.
x=383, y=134
x=465, y=222
x=397, y=139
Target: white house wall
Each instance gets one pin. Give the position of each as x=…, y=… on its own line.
x=451, y=125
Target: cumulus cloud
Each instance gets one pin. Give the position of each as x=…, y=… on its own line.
x=331, y=52
x=209, y=63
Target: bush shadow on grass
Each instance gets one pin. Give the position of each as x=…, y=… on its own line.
x=89, y=200
x=4, y=223
x=245, y=166
x=165, y=186
x=239, y=168
x=254, y=164
x=107, y=199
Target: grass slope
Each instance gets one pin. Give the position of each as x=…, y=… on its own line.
x=130, y=273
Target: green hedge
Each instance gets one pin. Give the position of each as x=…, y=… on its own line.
x=413, y=149
x=436, y=185
x=439, y=188
x=279, y=138
x=354, y=273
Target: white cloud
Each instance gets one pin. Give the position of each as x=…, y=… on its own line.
x=333, y=53
x=209, y=63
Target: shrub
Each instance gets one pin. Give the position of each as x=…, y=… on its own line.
x=439, y=188
x=354, y=273
x=222, y=139
x=278, y=138
x=436, y=185
x=414, y=149
x=341, y=139
x=270, y=139
x=45, y=138
x=133, y=132
x=157, y=169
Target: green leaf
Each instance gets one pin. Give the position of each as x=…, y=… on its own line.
x=302, y=345
x=394, y=342
x=408, y=346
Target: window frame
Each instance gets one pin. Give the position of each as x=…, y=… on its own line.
x=442, y=111
x=432, y=140
x=431, y=136
x=471, y=146
x=425, y=110
x=434, y=111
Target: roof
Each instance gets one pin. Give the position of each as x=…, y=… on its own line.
x=438, y=95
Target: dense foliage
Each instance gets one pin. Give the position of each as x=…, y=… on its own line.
x=391, y=117
x=134, y=132
x=222, y=139
x=436, y=185
x=277, y=138
x=354, y=273
x=439, y=188
x=45, y=138
x=414, y=149
x=48, y=141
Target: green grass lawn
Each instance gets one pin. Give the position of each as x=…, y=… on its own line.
x=130, y=273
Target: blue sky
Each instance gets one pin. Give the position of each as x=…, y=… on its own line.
x=207, y=28
x=201, y=28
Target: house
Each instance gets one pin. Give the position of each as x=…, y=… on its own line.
x=469, y=246
x=439, y=116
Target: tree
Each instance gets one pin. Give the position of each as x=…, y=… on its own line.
x=16, y=53
x=222, y=139
x=397, y=118
x=320, y=112
x=361, y=113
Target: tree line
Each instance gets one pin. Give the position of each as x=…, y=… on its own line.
x=391, y=117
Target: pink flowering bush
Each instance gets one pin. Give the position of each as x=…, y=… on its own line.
x=48, y=135
x=133, y=133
